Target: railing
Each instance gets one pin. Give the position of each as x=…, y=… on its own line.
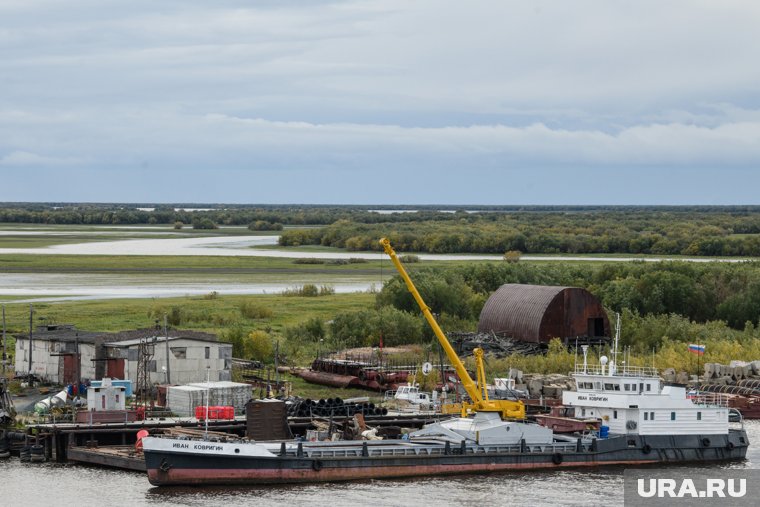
x=709, y=399
x=627, y=371
x=432, y=450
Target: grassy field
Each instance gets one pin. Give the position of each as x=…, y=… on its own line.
x=204, y=313
x=169, y=263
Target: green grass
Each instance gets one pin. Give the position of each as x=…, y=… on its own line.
x=152, y=263
x=203, y=314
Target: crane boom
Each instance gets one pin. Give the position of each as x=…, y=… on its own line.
x=507, y=408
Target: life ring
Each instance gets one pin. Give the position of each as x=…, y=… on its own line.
x=706, y=442
x=317, y=465
x=557, y=458
x=646, y=449
x=730, y=446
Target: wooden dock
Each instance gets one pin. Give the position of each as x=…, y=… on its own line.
x=115, y=456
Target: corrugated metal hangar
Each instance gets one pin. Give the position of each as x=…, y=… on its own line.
x=538, y=313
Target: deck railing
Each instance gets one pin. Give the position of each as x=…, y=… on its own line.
x=709, y=399
x=621, y=371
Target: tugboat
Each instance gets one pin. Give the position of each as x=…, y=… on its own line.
x=643, y=422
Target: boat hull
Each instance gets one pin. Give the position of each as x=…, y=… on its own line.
x=185, y=468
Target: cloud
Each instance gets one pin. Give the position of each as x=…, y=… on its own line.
x=364, y=86
x=25, y=159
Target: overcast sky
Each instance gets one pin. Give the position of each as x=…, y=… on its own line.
x=388, y=101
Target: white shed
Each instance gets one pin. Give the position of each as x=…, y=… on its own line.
x=189, y=359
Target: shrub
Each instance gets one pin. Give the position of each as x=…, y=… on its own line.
x=310, y=290
x=174, y=315
x=512, y=256
x=309, y=260
x=263, y=225
x=364, y=328
x=204, y=223
x=409, y=259
x=310, y=331
x=253, y=310
x=236, y=336
x=178, y=225
x=259, y=346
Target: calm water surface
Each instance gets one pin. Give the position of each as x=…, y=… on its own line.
x=69, y=485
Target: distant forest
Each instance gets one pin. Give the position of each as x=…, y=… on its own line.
x=657, y=230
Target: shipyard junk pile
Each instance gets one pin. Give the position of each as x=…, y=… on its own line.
x=739, y=382
x=332, y=407
x=362, y=373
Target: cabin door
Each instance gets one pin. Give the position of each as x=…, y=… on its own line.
x=70, y=368
x=115, y=368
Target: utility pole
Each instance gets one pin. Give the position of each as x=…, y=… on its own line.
x=277, y=362
x=31, y=339
x=168, y=368
x=5, y=355
x=77, y=358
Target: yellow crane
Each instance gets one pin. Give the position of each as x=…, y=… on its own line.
x=478, y=393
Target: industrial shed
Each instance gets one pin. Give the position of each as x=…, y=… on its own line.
x=538, y=313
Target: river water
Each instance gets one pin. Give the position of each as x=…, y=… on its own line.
x=70, y=485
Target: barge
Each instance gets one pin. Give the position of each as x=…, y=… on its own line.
x=648, y=425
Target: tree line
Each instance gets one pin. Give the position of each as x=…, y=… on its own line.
x=611, y=232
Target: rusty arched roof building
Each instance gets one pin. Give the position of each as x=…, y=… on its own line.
x=538, y=313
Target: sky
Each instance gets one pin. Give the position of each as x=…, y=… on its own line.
x=380, y=101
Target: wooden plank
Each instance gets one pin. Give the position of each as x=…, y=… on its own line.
x=123, y=457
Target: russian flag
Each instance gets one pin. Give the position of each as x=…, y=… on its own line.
x=696, y=349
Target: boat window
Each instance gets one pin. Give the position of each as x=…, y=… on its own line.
x=608, y=387
x=649, y=387
x=646, y=416
x=614, y=414
x=699, y=416
x=598, y=385
x=617, y=387
x=651, y=416
x=672, y=416
x=627, y=387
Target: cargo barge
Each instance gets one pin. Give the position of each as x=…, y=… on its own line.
x=648, y=424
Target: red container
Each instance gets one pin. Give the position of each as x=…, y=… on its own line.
x=215, y=413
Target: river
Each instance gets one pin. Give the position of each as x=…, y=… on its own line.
x=54, y=485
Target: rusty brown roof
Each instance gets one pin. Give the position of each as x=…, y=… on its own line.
x=516, y=310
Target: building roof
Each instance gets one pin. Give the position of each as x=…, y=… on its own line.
x=161, y=339
x=516, y=309
x=62, y=333
x=69, y=333
x=149, y=332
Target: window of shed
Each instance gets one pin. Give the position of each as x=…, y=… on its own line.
x=179, y=352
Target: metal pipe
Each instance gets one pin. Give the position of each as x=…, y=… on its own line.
x=168, y=368
x=5, y=355
x=31, y=339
